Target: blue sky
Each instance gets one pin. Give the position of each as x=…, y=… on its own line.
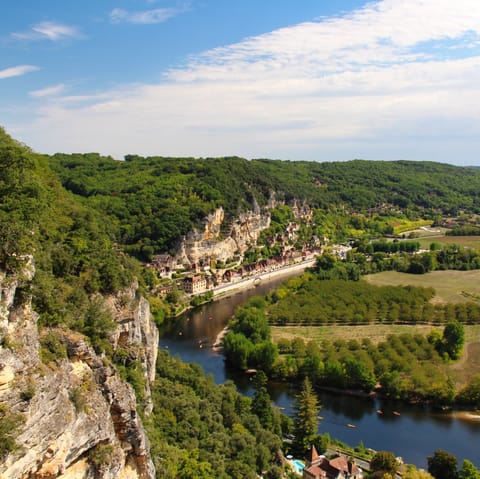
x=299, y=80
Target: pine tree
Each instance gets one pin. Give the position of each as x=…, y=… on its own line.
x=306, y=409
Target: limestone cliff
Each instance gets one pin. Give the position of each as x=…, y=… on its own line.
x=222, y=239
x=79, y=417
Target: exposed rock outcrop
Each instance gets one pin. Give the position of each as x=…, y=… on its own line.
x=80, y=417
x=222, y=241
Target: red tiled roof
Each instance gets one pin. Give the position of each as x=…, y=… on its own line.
x=343, y=464
x=316, y=471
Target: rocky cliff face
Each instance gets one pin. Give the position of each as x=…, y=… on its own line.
x=79, y=417
x=222, y=241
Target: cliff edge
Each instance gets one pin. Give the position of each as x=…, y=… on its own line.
x=74, y=416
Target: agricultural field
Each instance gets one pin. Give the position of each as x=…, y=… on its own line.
x=469, y=363
x=466, y=241
x=450, y=286
x=375, y=332
x=461, y=370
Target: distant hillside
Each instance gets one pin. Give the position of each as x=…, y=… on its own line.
x=153, y=201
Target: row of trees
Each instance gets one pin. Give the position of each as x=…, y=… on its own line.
x=309, y=300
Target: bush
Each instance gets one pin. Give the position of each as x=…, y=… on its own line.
x=52, y=349
x=9, y=425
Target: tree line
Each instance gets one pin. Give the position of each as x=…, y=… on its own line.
x=312, y=301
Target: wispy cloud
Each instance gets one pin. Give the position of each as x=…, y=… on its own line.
x=48, y=91
x=367, y=84
x=48, y=31
x=145, y=17
x=17, y=71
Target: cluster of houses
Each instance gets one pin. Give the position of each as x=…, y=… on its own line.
x=204, y=276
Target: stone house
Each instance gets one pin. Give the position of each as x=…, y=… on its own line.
x=194, y=284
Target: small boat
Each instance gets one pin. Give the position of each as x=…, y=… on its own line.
x=352, y=426
x=251, y=371
x=396, y=413
x=379, y=411
x=320, y=417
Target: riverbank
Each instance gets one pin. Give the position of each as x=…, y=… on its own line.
x=223, y=291
x=217, y=345
x=253, y=281
x=470, y=416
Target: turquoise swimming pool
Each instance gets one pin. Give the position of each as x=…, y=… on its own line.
x=298, y=466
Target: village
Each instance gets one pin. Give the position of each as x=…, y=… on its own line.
x=225, y=254
x=206, y=276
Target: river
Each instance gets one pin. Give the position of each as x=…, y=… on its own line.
x=414, y=435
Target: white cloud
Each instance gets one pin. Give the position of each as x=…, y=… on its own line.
x=378, y=82
x=157, y=15
x=48, y=31
x=16, y=71
x=48, y=91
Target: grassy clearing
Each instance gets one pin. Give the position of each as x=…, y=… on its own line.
x=450, y=286
x=468, y=365
x=467, y=241
x=376, y=332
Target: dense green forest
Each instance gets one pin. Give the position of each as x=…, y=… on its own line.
x=71, y=244
x=151, y=202
x=203, y=430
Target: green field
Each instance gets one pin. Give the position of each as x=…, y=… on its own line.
x=467, y=241
x=450, y=286
x=376, y=332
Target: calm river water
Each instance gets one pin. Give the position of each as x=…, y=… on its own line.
x=414, y=435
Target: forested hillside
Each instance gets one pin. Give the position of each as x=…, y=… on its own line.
x=71, y=243
x=151, y=202
x=83, y=214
